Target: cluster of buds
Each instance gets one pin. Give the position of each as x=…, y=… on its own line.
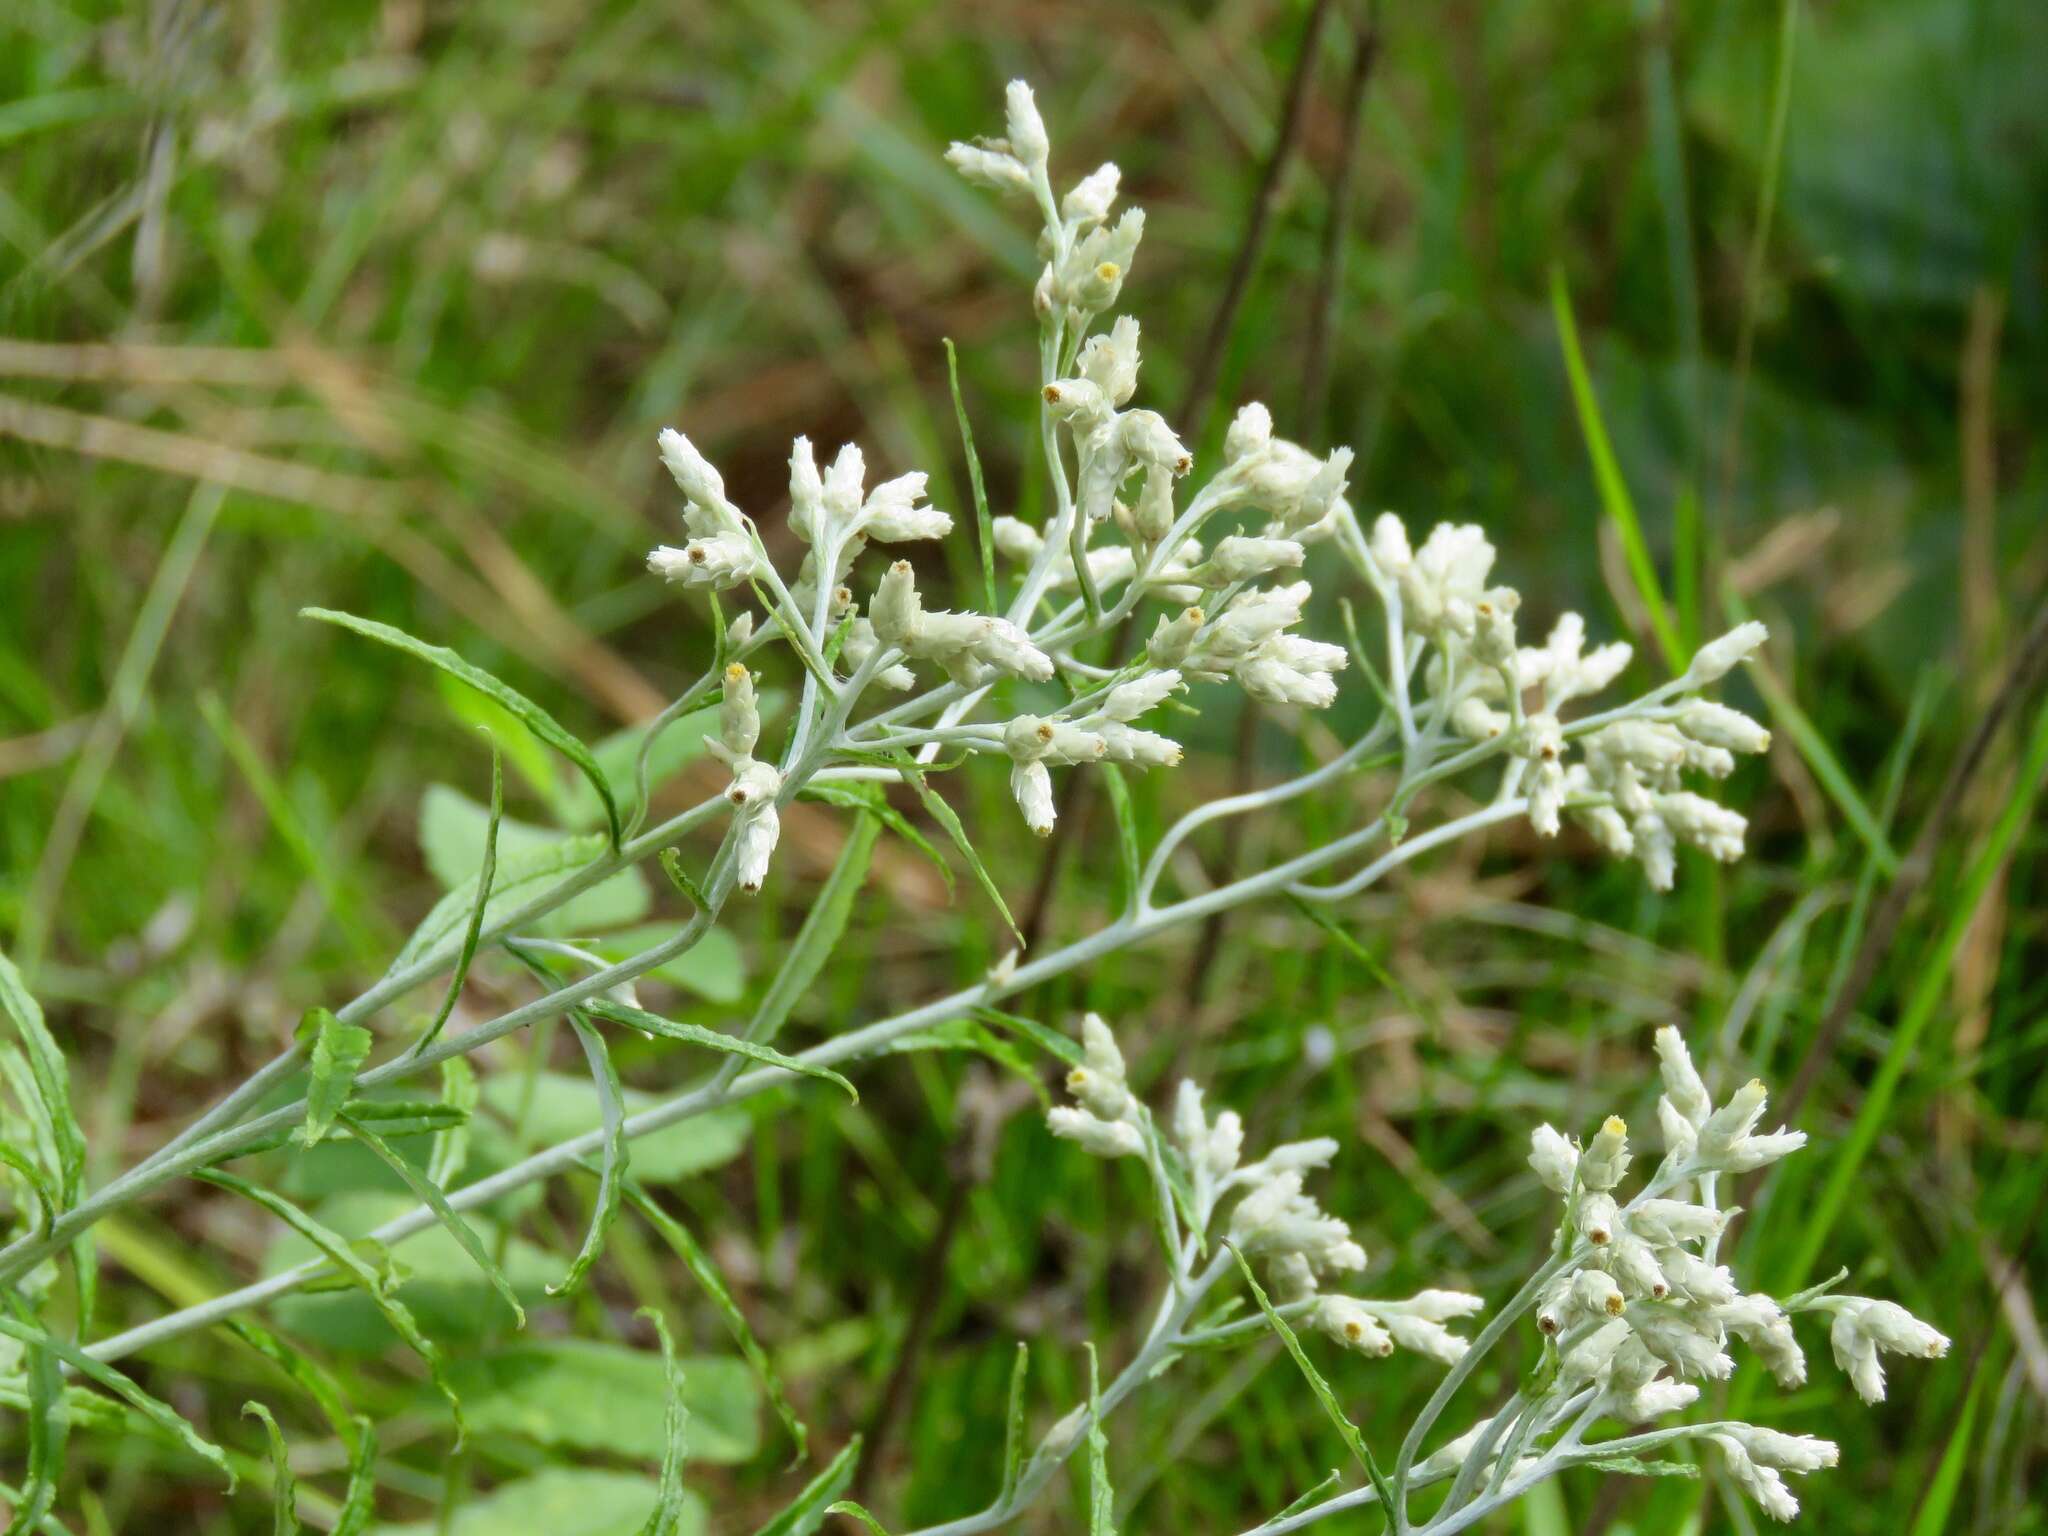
x=1251, y=641
x=722, y=551
x=1643, y=1295
x=1035, y=744
x=755, y=785
x=970, y=648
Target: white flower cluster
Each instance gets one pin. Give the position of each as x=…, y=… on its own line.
x=1642, y=1308
x=756, y=786
x=1274, y=1219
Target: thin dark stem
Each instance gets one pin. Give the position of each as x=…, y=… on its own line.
x=1325, y=312
x=1194, y=411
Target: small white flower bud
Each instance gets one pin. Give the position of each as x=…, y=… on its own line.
x=1899, y=1332
x=1493, y=640
x=1423, y=1336
x=1025, y=128
x=1173, y=638
x=892, y=512
x=1351, y=1325
x=1109, y=360
x=992, y=168
x=895, y=611
x=1592, y=1354
x=1250, y=433
x=1127, y=701
x=1681, y=1136
x=1092, y=197
x=1441, y=1306
x=1666, y=1222
x=1717, y=658
x=1605, y=1159
x=1149, y=440
x=1596, y=1213
x=1553, y=1157
x=1031, y=785
x=1676, y=1338
x=1594, y=1292
x=1658, y=1398
x=1682, y=1082
x=691, y=471
x=806, y=491
x=1761, y=1483
x=1104, y=1138
x=1226, y=1144
x=1390, y=550
x=1719, y=726
x=1631, y=1262
x=1239, y=558
x=1789, y=1453
x=739, y=717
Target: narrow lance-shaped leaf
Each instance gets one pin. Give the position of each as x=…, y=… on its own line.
x=712, y=1039
x=160, y=1414
x=1013, y=1429
x=53, y=1083
x=1309, y=1496
x=679, y=877
x=611, y=1100
x=984, y=524
x=284, y=1490
x=1101, y=1497
x=309, y=1375
x=667, y=1515
x=1346, y=1430
x=339, y=1252
x=431, y=1195
x=530, y=714
x=339, y=1051
x=1061, y=1048
x=869, y=798
x=1126, y=814
x=849, y=1508
x=486, y=876
x=451, y=1147
x=808, y=1510
x=360, y=1501
x=37, y=1181
x=699, y=1264
x=820, y=934
x=48, y=1427
x=944, y=814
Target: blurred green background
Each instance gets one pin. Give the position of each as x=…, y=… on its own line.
x=379, y=306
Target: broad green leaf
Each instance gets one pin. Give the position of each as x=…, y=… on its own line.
x=1346, y=1430
x=359, y=1502
x=706, y=1274
x=984, y=525
x=562, y=1501
x=487, y=873
x=451, y=1147
x=714, y=967
x=520, y=878
x=807, y=1512
x=820, y=934
x=453, y=830
x=530, y=714
x=430, y=1194
x=48, y=1428
x=564, y=1106
x=611, y=1102
x=53, y=1083
x=584, y=1395
x=712, y=1040
x=944, y=814
x=162, y=1415
x=284, y=1490
x=343, y=1256
x=675, y=1423
x=1101, y=1497
x=339, y=1051
x=1013, y=1424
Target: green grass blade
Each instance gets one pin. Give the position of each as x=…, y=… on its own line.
x=1614, y=496
x=807, y=1512
x=712, y=1039
x=535, y=719
x=431, y=1195
x=820, y=933
x=698, y=1262
x=1939, y=1501
x=485, y=876
x=339, y=1051
x=982, y=521
x=667, y=1515
x=611, y=1100
x=342, y=1254
x=284, y=1490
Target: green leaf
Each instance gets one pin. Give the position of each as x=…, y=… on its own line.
x=680, y=743
x=451, y=1147
x=1101, y=1497
x=160, y=1414
x=611, y=1103
x=984, y=525
x=562, y=1501
x=565, y=1106
x=849, y=1508
x=311, y=1377
x=869, y=797
x=675, y=1420
x=359, y=1501
x=1938, y=1502
x=343, y=1255
x=431, y=1195
x=339, y=1051
x=1128, y=859
x=585, y=1395
x=807, y=1512
x=1346, y=1430
x=485, y=875
x=1635, y=1466
x=1013, y=1424
x=1310, y=1496
x=38, y=1183
x=453, y=829
x=529, y=714
x=819, y=936
x=679, y=877
x=714, y=967
x=284, y=1491
x=507, y=733
x=712, y=1039
x=48, y=1428
x=518, y=876
x=944, y=814
x=1056, y=1045
x=706, y=1274
x=53, y=1083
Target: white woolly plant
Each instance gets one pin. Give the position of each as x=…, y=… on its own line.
x=1208, y=562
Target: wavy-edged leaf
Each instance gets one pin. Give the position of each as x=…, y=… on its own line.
x=314, y=1379
x=360, y=1501
x=48, y=1427
x=343, y=1255
x=669, y=1508
x=855, y=1511
x=339, y=1051
x=679, y=877
x=713, y=1040
x=1346, y=1430
x=611, y=1100
x=807, y=1511
x=516, y=879
x=431, y=1195
x=158, y=1413
x=284, y=1489
x=451, y=1147
x=484, y=877
x=705, y=1273
x=944, y=814
x=529, y=714
x=53, y=1083
x=1013, y=1424
x=1101, y=1497
x=820, y=934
